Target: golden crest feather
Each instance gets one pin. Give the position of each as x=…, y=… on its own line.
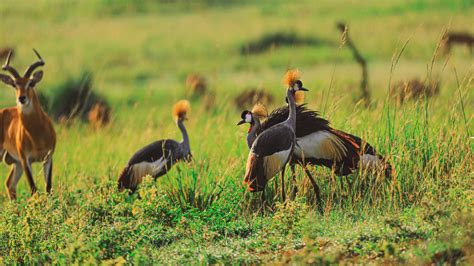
x=181, y=108
x=291, y=77
x=259, y=111
x=299, y=97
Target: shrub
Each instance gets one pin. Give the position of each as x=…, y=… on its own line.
x=76, y=99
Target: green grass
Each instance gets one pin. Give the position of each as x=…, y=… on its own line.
x=140, y=53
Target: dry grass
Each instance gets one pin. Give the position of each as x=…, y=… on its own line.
x=249, y=97
x=99, y=115
x=196, y=85
x=414, y=89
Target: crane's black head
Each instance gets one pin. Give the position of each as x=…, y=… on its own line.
x=298, y=92
x=298, y=86
x=257, y=184
x=180, y=110
x=188, y=158
x=292, y=80
x=246, y=118
x=125, y=181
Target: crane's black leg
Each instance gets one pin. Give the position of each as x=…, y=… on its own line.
x=283, y=184
x=316, y=190
x=275, y=189
x=342, y=184
x=263, y=200
x=349, y=183
x=293, y=179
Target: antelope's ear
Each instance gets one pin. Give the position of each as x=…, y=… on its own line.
x=7, y=80
x=37, y=76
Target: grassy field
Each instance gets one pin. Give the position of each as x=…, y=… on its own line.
x=140, y=53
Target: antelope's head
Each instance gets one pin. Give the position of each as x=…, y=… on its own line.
x=24, y=86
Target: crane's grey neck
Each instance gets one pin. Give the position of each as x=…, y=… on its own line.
x=291, y=120
x=252, y=135
x=185, y=143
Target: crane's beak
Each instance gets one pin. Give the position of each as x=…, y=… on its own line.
x=303, y=89
x=241, y=122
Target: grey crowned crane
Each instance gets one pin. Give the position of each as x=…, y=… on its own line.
x=158, y=157
x=253, y=118
x=320, y=144
x=317, y=143
x=272, y=149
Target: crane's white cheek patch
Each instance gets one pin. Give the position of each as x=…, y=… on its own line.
x=275, y=162
x=321, y=145
x=248, y=118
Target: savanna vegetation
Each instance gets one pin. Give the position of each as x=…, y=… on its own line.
x=140, y=53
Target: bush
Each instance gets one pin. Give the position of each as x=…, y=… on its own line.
x=76, y=99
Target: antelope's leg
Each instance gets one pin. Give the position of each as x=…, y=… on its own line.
x=12, y=181
x=316, y=190
x=26, y=165
x=48, y=172
x=283, y=184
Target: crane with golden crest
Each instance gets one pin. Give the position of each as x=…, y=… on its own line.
x=272, y=149
x=157, y=158
x=317, y=143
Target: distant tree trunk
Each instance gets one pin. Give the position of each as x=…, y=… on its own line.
x=364, y=84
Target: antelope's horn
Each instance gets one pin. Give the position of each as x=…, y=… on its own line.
x=33, y=66
x=9, y=68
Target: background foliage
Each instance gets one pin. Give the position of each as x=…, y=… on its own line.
x=140, y=53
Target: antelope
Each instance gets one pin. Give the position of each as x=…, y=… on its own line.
x=456, y=38
x=27, y=134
